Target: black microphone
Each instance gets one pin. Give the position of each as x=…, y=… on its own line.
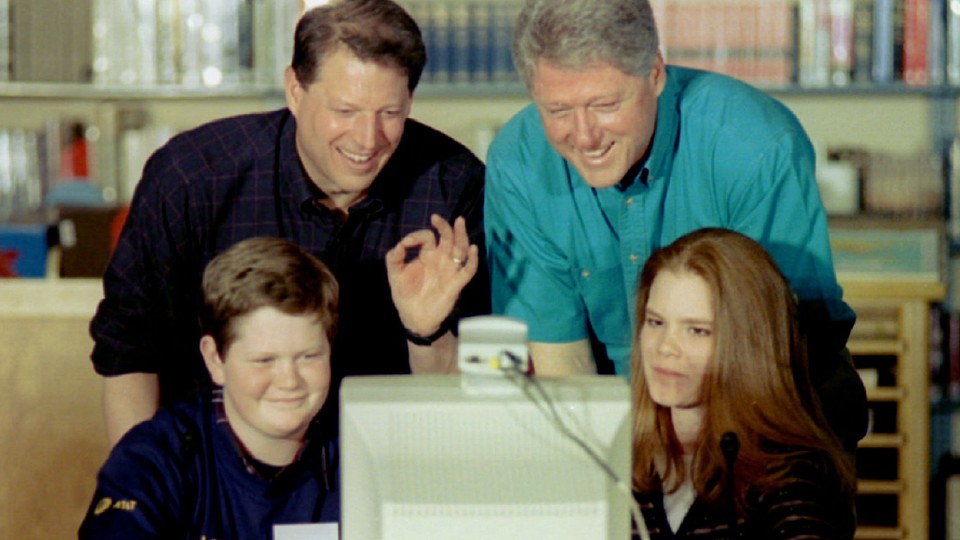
x=730, y=446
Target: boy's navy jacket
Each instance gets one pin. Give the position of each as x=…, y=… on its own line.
x=182, y=475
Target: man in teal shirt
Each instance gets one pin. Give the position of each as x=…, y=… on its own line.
x=620, y=155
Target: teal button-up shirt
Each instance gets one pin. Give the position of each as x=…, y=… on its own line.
x=566, y=257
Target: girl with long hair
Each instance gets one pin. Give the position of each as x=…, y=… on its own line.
x=729, y=439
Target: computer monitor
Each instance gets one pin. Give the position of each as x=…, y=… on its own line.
x=440, y=457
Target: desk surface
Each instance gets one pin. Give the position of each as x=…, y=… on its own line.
x=50, y=297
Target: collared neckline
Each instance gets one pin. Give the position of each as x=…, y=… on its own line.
x=659, y=163
x=252, y=465
x=305, y=193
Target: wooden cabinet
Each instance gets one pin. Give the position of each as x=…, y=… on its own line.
x=891, y=345
x=52, y=438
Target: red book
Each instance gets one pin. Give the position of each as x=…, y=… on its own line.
x=916, y=22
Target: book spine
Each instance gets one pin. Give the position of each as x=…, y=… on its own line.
x=264, y=25
x=822, y=44
x=785, y=24
x=7, y=206
x=37, y=57
x=953, y=42
x=143, y=62
x=501, y=41
x=915, y=30
x=936, y=44
x=19, y=44
x=5, y=40
x=167, y=65
x=480, y=30
x=439, y=42
x=81, y=42
x=899, y=26
x=746, y=50
x=219, y=43
x=841, y=41
x=244, y=63
x=814, y=42
x=459, y=42
x=774, y=42
x=882, y=64
x=191, y=43
x=862, y=40
x=420, y=11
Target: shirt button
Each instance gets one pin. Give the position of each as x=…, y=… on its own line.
x=585, y=273
x=634, y=258
x=629, y=201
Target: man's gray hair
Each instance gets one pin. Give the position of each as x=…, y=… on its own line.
x=578, y=34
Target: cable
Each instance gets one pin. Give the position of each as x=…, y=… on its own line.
x=525, y=381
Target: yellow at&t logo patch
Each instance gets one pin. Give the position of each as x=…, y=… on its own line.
x=107, y=503
x=102, y=506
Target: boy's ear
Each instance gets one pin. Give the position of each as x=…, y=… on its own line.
x=212, y=359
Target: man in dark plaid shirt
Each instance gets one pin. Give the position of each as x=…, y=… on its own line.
x=392, y=206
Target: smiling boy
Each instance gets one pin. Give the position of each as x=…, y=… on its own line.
x=255, y=451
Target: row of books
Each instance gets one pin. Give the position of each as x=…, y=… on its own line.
x=467, y=41
x=851, y=181
x=749, y=39
x=876, y=41
x=147, y=42
x=228, y=42
x=51, y=165
x=205, y=43
x=45, y=41
x=192, y=42
x=767, y=42
x=856, y=181
x=20, y=188
x=815, y=42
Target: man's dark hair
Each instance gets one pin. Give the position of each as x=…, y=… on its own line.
x=374, y=30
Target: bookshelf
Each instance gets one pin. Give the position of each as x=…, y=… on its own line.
x=892, y=340
x=469, y=87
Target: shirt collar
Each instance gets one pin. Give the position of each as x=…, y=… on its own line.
x=660, y=162
x=252, y=465
x=306, y=194
x=294, y=180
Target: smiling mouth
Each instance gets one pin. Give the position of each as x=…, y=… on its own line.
x=597, y=153
x=359, y=159
x=288, y=402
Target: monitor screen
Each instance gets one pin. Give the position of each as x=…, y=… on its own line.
x=441, y=457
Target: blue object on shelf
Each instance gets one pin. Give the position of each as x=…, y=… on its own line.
x=75, y=193
x=23, y=250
